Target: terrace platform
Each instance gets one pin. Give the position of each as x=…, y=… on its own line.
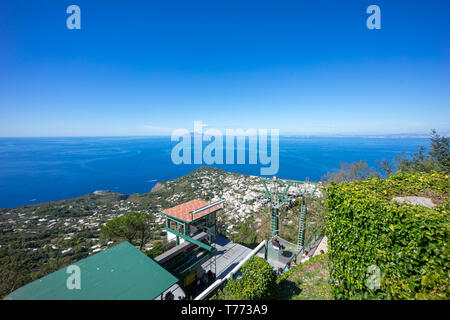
x=228, y=255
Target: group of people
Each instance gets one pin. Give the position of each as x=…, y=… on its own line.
x=306, y=257
x=287, y=267
x=205, y=280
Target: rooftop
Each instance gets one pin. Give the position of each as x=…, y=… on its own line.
x=184, y=211
x=121, y=272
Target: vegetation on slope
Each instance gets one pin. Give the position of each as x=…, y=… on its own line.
x=308, y=281
x=36, y=240
x=404, y=246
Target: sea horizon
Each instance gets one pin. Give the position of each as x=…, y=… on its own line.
x=42, y=169
x=281, y=135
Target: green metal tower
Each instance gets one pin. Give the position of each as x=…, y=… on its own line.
x=277, y=199
x=301, y=225
x=276, y=191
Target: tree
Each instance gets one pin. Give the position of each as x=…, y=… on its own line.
x=440, y=150
x=246, y=234
x=135, y=227
x=437, y=159
x=386, y=167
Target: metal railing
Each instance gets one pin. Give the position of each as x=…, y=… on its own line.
x=194, y=212
x=231, y=274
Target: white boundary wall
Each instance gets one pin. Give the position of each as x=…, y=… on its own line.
x=229, y=276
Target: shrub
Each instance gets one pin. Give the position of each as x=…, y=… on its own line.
x=408, y=243
x=258, y=282
x=155, y=251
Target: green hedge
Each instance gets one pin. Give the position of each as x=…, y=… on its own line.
x=409, y=244
x=155, y=251
x=258, y=282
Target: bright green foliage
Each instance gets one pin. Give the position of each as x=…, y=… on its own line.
x=258, y=282
x=408, y=243
x=155, y=251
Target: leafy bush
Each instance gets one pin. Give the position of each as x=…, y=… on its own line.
x=408, y=243
x=155, y=251
x=258, y=282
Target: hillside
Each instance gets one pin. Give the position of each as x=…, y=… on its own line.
x=38, y=239
x=308, y=281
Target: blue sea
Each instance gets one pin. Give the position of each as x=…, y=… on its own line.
x=34, y=170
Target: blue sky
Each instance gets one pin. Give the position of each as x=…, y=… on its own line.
x=147, y=67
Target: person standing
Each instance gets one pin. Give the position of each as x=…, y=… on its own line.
x=305, y=257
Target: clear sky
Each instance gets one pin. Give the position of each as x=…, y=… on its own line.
x=147, y=67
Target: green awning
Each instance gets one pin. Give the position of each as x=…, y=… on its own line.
x=121, y=272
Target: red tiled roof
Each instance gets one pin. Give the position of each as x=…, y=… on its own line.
x=183, y=211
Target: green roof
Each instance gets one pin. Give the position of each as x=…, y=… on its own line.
x=121, y=272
